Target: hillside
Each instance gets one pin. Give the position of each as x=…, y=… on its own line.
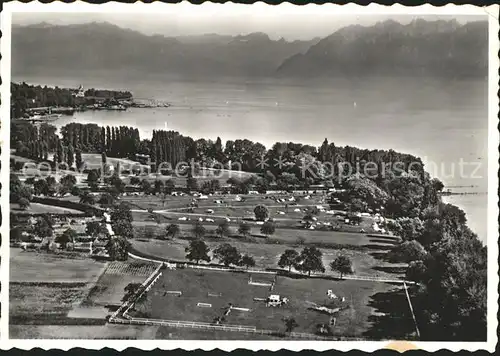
x=442, y=48
x=437, y=48
x=88, y=47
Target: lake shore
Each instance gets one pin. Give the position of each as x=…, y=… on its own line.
x=441, y=122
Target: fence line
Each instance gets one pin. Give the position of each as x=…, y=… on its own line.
x=121, y=316
x=377, y=279
x=234, y=328
x=201, y=325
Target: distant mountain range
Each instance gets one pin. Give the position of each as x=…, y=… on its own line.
x=444, y=48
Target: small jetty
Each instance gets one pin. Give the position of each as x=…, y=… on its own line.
x=449, y=192
x=148, y=103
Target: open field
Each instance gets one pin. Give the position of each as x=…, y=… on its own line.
x=36, y=208
x=108, y=331
x=188, y=218
x=96, y=159
x=126, y=332
x=50, y=289
x=146, y=202
x=365, y=263
x=43, y=302
x=27, y=266
x=234, y=288
x=44, y=287
x=284, y=236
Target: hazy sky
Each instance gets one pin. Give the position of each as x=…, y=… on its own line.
x=290, y=26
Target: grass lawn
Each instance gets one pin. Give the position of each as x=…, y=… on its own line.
x=267, y=255
x=156, y=203
x=205, y=174
x=126, y=332
x=195, y=286
x=171, y=333
x=108, y=331
x=45, y=287
x=281, y=235
x=36, y=208
x=96, y=159
x=20, y=159
x=27, y=266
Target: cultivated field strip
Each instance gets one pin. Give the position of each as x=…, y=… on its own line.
x=125, y=306
x=131, y=269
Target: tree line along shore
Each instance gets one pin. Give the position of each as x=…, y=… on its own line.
x=442, y=253
x=38, y=103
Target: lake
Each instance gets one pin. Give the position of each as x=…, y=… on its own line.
x=475, y=206
x=444, y=122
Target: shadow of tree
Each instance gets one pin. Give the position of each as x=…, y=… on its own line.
x=386, y=237
x=380, y=256
x=393, y=318
x=383, y=241
x=391, y=269
x=378, y=247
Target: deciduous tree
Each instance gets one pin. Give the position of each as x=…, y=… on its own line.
x=244, y=229
x=118, y=248
x=227, y=254
x=223, y=229
x=407, y=252
x=288, y=259
x=69, y=235
x=172, y=230
x=261, y=213
x=268, y=228
x=43, y=228
x=198, y=230
x=342, y=264
x=23, y=203
x=290, y=324
x=87, y=198
x=310, y=260
x=247, y=261
x=197, y=251
x=95, y=228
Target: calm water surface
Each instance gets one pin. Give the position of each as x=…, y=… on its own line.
x=443, y=122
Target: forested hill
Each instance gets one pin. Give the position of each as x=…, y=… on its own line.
x=89, y=48
x=438, y=48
